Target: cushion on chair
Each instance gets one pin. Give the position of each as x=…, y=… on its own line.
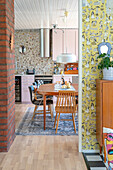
x=40, y=102
x=49, y=99
x=39, y=95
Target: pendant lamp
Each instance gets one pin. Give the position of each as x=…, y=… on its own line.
x=66, y=58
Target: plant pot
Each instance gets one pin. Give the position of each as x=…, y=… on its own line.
x=108, y=73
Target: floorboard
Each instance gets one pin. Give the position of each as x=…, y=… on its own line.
x=41, y=152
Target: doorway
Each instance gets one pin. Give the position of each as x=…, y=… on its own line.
x=80, y=74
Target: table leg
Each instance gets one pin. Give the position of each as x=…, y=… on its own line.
x=100, y=149
x=104, y=154
x=44, y=105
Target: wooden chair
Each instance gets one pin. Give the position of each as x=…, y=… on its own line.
x=37, y=100
x=66, y=103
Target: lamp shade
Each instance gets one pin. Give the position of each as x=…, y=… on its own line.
x=66, y=58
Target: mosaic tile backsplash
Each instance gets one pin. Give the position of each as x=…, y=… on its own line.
x=31, y=59
x=97, y=27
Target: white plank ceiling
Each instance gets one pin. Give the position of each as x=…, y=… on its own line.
x=34, y=14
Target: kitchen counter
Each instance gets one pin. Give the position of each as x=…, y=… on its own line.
x=24, y=75
x=45, y=74
x=33, y=75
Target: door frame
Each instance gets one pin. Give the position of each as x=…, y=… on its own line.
x=80, y=74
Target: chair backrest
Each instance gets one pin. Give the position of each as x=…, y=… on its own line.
x=66, y=101
x=31, y=90
x=31, y=93
x=36, y=95
x=39, y=83
x=35, y=84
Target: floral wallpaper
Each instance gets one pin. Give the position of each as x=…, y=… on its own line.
x=97, y=27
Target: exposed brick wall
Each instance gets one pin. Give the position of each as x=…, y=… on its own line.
x=7, y=77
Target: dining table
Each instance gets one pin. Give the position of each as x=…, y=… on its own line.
x=50, y=89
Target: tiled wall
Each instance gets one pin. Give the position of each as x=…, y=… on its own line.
x=7, y=77
x=31, y=59
x=97, y=27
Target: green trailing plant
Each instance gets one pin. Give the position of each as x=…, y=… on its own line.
x=106, y=61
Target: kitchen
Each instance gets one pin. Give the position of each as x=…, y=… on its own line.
x=45, y=51
x=36, y=51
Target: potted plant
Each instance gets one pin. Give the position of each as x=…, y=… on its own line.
x=107, y=65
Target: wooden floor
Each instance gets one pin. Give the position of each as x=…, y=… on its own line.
x=41, y=152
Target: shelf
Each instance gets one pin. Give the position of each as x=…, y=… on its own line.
x=71, y=68
x=71, y=72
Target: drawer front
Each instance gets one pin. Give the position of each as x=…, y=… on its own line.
x=26, y=82
x=26, y=97
x=27, y=79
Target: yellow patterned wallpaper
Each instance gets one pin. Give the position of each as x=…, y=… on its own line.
x=97, y=27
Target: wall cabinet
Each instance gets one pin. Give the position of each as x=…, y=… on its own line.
x=104, y=107
x=57, y=40
x=71, y=41
x=26, y=81
x=65, y=40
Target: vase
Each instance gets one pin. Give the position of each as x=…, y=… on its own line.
x=108, y=73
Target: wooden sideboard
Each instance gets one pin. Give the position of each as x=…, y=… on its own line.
x=104, y=107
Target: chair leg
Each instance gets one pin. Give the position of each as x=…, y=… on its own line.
x=34, y=112
x=55, y=120
x=51, y=110
x=57, y=123
x=77, y=110
x=48, y=107
x=73, y=122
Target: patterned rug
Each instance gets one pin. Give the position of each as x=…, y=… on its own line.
x=35, y=127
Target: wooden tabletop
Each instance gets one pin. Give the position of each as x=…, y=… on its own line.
x=49, y=89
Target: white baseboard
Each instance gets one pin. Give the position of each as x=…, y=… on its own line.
x=91, y=151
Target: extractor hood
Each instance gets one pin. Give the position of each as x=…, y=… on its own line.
x=45, y=42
